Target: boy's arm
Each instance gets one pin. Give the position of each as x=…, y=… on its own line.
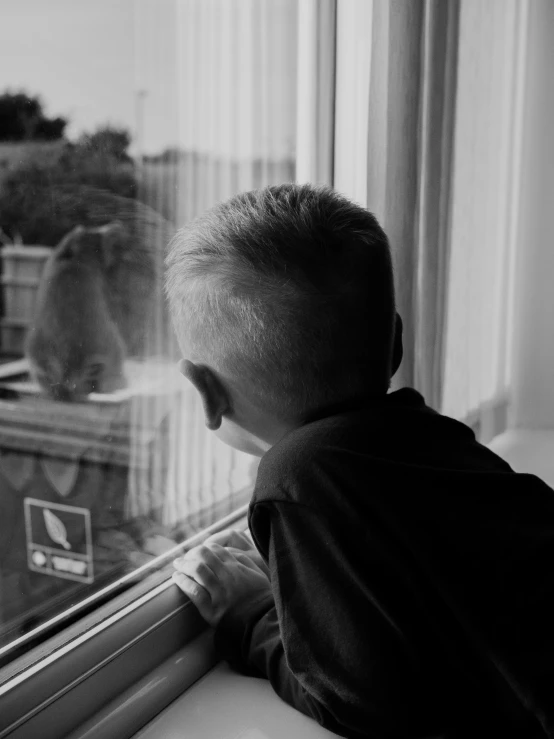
x=314, y=637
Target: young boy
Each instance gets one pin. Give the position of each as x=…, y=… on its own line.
x=403, y=586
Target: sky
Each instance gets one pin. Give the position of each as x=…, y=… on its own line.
x=89, y=59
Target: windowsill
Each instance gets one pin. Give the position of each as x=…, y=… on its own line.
x=224, y=705
x=219, y=704
x=104, y=655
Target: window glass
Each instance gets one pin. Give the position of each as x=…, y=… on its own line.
x=119, y=122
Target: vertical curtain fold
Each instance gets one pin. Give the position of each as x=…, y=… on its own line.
x=235, y=112
x=393, y=148
x=315, y=131
x=485, y=206
x=410, y=140
x=433, y=215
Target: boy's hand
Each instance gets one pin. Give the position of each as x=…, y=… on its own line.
x=238, y=540
x=215, y=578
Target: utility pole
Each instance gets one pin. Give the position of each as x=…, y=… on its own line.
x=139, y=113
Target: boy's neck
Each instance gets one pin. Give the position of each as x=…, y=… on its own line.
x=353, y=403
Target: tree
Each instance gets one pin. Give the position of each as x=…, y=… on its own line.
x=107, y=141
x=22, y=119
x=46, y=196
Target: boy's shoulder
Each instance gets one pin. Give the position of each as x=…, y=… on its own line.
x=346, y=449
x=333, y=445
x=298, y=463
x=401, y=416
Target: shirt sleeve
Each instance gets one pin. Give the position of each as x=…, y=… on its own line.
x=321, y=638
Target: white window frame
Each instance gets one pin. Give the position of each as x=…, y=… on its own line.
x=67, y=679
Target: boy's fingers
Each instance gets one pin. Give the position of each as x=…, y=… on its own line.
x=197, y=594
x=230, y=538
x=251, y=559
x=201, y=572
x=217, y=551
x=213, y=555
x=222, y=537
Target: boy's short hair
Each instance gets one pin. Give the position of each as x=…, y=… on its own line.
x=290, y=288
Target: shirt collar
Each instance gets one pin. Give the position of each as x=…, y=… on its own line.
x=407, y=397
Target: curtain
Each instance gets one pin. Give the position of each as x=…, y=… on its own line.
x=352, y=93
x=439, y=57
x=485, y=204
x=410, y=130
x=316, y=90
x=230, y=100
x=236, y=108
x=436, y=89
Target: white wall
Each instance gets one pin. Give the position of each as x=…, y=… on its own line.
x=533, y=338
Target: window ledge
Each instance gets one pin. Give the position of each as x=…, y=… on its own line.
x=225, y=705
x=195, y=692
x=135, y=707
x=107, y=654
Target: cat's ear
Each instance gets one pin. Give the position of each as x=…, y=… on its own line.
x=70, y=244
x=114, y=238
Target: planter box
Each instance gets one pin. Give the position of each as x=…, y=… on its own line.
x=90, y=457
x=12, y=336
x=22, y=268
x=24, y=262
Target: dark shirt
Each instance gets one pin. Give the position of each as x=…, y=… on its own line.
x=412, y=579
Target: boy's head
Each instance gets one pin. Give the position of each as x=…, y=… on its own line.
x=286, y=297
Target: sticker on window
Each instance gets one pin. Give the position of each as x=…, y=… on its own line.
x=59, y=540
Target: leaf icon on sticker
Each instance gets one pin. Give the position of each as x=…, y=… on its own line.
x=56, y=530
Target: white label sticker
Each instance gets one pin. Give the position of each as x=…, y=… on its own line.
x=59, y=540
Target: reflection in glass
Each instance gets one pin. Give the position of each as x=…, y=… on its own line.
x=105, y=462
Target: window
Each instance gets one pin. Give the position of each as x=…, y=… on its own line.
x=128, y=119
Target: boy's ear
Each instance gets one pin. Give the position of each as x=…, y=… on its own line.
x=214, y=396
x=397, y=348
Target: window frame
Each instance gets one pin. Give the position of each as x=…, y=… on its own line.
x=130, y=712
x=104, y=654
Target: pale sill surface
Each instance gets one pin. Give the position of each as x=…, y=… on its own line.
x=224, y=705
